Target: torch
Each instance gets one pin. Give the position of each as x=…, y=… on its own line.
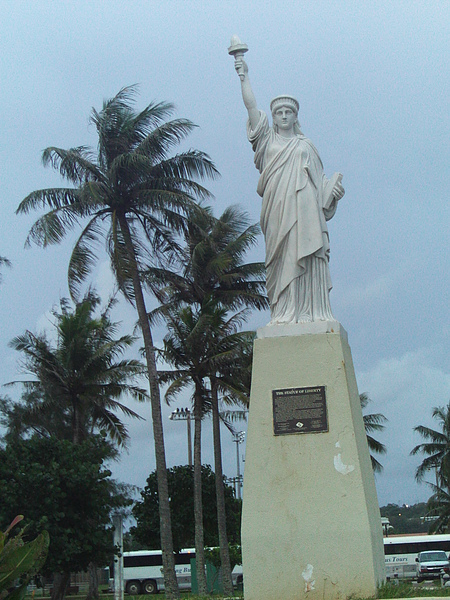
x=237, y=49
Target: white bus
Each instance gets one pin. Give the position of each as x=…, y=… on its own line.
x=400, y=552
x=143, y=571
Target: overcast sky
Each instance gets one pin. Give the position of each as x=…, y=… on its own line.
x=372, y=79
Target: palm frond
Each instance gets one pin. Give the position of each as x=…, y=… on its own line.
x=176, y=387
x=158, y=142
x=52, y=227
x=437, y=446
x=439, y=505
x=234, y=415
x=83, y=257
x=4, y=262
x=373, y=422
x=49, y=198
x=180, y=169
x=74, y=164
x=377, y=467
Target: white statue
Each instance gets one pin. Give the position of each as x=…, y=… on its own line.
x=297, y=201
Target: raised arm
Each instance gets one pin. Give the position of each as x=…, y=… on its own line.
x=247, y=93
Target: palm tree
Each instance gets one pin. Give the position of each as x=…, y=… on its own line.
x=196, y=343
x=186, y=348
x=439, y=505
x=143, y=194
x=77, y=383
x=373, y=422
x=437, y=448
x=212, y=272
x=229, y=377
x=211, y=264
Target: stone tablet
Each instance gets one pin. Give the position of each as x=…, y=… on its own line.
x=299, y=410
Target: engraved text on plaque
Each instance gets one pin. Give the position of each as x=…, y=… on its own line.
x=299, y=410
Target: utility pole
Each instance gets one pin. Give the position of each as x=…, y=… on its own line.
x=118, y=558
x=238, y=438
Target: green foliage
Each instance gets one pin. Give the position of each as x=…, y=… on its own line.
x=133, y=195
x=373, y=422
x=77, y=382
x=20, y=561
x=64, y=489
x=436, y=448
x=210, y=264
x=201, y=344
x=406, y=590
x=406, y=519
x=181, y=491
x=132, y=179
x=212, y=555
x=204, y=300
x=438, y=506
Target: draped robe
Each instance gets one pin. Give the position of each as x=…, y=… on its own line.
x=293, y=220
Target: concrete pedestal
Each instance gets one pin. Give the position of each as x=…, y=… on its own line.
x=311, y=524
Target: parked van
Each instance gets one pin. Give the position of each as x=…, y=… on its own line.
x=431, y=565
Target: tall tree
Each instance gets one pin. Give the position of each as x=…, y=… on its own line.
x=181, y=486
x=63, y=488
x=373, y=422
x=197, y=344
x=228, y=378
x=78, y=381
x=437, y=447
x=212, y=273
x=143, y=193
x=186, y=348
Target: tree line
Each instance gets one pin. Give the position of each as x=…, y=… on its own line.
x=149, y=208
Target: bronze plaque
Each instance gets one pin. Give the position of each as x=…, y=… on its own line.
x=299, y=410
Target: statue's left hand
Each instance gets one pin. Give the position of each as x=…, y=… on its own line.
x=338, y=191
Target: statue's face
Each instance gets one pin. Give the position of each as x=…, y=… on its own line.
x=284, y=118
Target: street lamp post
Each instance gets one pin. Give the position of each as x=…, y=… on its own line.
x=238, y=438
x=184, y=414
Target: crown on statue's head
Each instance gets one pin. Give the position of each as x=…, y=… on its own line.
x=285, y=100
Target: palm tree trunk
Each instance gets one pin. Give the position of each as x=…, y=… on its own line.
x=220, y=496
x=76, y=422
x=198, y=503
x=170, y=579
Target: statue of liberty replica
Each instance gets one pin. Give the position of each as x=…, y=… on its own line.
x=311, y=524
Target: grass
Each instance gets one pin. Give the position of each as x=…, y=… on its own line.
x=407, y=590
x=388, y=590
